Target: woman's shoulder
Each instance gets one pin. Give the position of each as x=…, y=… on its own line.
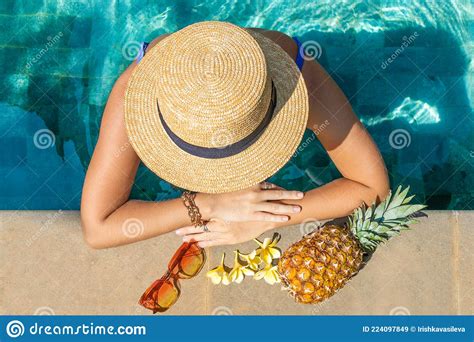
x=122, y=81
x=285, y=41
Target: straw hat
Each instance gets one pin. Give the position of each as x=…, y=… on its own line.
x=215, y=108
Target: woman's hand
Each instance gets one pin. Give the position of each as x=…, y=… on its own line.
x=258, y=203
x=224, y=232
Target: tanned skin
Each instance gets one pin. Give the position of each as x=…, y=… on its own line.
x=238, y=216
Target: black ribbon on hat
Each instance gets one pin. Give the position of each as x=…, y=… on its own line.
x=226, y=151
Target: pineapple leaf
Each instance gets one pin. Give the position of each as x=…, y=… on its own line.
x=402, y=211
x=369, y=245
x=398, y=197
x=374, y=236
x=380, y=209
x=376, y=224
x=368, y=212
x=408, y=199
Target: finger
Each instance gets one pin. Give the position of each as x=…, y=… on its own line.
x=211, y=225
x=187, y=230
x=217, y=226
x=278, y=208
x=202, y=236
x=210, y=243
x=268, y=186
x=267, y=217
x=277, y=195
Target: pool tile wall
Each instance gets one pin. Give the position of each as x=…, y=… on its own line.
x=59, y=61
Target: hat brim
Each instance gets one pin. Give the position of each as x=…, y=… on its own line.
x=270, y=152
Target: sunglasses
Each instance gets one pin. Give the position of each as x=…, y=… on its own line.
x=186, y=263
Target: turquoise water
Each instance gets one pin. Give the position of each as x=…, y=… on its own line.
x=406, y=67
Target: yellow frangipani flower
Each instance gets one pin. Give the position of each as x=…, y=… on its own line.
x=219, y=274
x=225, y=279
x=269, y=273
x=253, y=260
x=239, y=271
x=250, y=264
x=267, y=250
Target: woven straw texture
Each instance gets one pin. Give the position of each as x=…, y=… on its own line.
x=212, y=81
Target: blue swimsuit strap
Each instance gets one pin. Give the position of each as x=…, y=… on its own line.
x=142, y=51
x=299, y=56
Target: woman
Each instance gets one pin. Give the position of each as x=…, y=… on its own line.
x=217, y=109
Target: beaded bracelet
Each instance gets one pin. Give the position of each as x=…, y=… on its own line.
x=193, y=211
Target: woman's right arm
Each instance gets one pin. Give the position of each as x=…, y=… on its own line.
x=110, y=219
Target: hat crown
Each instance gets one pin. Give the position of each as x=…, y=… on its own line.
x=239, y=165
x=213, y=87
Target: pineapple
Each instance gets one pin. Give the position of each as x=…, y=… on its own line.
x=314, y=268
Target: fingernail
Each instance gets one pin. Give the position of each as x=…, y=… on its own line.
x=178, y=232
x=296, y=209
x=284, y=218
x=300, y=195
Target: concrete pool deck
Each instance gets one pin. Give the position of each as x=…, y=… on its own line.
x=47, y=268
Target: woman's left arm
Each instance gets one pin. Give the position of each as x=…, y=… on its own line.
x=346, y=140
x=350, y=147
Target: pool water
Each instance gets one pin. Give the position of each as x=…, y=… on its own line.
x=406, y=67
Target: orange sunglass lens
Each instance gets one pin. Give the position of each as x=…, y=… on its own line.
x=187, y=261
x=191, y=263
x=166, y=296
x=161, y=295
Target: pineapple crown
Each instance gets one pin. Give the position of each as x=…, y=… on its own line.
x=376, y=224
